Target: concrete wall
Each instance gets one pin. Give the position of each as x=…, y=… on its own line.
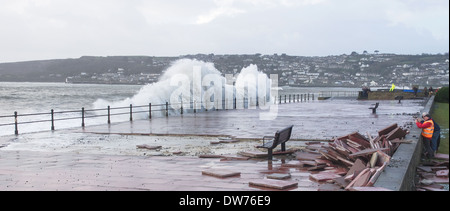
x=391, y=95
x=400, y=173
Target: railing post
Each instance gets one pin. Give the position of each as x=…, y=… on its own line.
x=53, y=120
x=131, y=112
x=181, y=109
x=227, y=105
x=150, y=111
x=109, y=115
x=167, y=109
x=82, y=117
x=16, y=131
x=285, y=97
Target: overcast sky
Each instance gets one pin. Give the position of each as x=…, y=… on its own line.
x=58, y=29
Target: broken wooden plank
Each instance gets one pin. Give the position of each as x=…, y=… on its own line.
x=253, y=154
x=279, y=176
x=145, y=146
x=360, y=139
x=366, y=152
x=376, y=175
x=387, y=130
x=307, y=156
x=329, y=187
x=396, y=133
x=341, y=181
x=210, y=156
x=231, y=158
x=360, y=175
x=293, y=164
x=221, y=173
x=442, y=173
x=368, y=189
x=274, y=184
x=373, y=160
x=359, y=165
x=316, y=168
x=441, y=156
x=320, y=177
x=363, y=180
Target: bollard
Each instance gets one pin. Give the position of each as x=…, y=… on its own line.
x=16, y=131
x=53, y=120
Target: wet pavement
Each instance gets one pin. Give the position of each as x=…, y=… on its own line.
x=29, y=169
x=315, y=120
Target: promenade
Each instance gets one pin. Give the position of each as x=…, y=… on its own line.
x=56, y=166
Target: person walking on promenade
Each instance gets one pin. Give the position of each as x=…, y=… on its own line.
x=436, y=139
x=425, y=91
x=427, y=134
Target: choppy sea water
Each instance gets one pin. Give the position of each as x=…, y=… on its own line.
x=32, y=98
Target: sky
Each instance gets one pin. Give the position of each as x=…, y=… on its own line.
x=60, y=29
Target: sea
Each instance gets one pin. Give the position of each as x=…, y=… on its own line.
x=28, y=99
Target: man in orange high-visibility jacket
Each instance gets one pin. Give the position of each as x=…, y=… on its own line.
x=427, y=133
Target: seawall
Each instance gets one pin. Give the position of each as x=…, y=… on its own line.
x=399, y=174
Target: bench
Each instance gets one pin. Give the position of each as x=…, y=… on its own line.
x=374, y=109
x=399, y=98
x=281, y=137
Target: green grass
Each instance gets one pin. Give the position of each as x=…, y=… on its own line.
x=440, y=114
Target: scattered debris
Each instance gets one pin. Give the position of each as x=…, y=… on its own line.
x=433, y=175
x=352, y=162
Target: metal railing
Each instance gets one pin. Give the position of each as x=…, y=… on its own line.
x=339, y=94
x=150, y=110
